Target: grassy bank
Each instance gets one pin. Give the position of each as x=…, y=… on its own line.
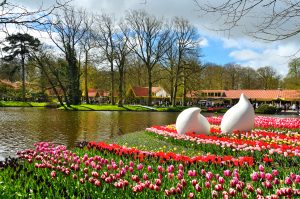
x=22, y=104
x=150, y=142
x=93, y=107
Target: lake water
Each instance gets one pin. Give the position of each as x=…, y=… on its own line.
x=20, y=128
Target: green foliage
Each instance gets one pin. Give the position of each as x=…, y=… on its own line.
x=22, y=104
x=172, y=109
x=266, y=109
x=93, y=107
x=291, y=81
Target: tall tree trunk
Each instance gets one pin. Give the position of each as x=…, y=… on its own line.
x=171, y=89
x=174, y=94
x=23, y=79
x=112, y=86
x=74, y=85
x=121, y=83
x=149, y=103
x=184, y=90
x=85, y=78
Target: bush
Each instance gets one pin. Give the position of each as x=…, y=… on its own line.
x=267, y=109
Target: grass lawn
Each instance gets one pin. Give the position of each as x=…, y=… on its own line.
x=147, y=141
x=93, y=107
x=22, y=104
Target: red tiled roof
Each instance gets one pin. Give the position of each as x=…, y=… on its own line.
x=9, y=84
x=259, y=94
x=92, y=92
x=143, y=91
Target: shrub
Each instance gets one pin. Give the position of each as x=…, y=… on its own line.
x=266, y=109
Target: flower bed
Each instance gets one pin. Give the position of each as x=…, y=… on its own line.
x=260, y=164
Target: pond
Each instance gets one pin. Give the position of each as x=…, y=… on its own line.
x=20, y=128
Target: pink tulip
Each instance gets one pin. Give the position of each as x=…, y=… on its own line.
x=221, y=180
x=131, y=164
x=130, y=169
x=145, y=176
x=276, y=181
x=191, y=196
x=227, y=173
x=214, y=194
x=81, y=181
x=209, y=175
x=139, y=167
x=258, y=191
x=207, y=184
x=268, y=184
x=194, y=182
x=198, y=188
x=156, y=188
x=170, y=169
x=97, y=183
x=288, y=181
x=158, y=182
x=160, y=168
x=254, y=176
x=261, y=168
x=232, y=191
x=269, y=176
x=53, y=174
x=275, y=172
x=180, y=167
x=183, y=182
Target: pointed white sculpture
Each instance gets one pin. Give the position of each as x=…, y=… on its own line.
x=190, y=120
x=239, y=117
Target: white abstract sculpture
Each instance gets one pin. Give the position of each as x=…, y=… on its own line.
x=239, y=117
x=190, y=120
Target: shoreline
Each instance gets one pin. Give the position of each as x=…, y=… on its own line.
x=131, y=108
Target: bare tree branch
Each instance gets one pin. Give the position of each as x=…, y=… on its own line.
x=275, y=20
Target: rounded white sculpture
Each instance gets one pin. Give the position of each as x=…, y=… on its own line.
x=190, y=120
x=239, y=117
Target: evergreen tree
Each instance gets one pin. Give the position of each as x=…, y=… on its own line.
x=20, y=45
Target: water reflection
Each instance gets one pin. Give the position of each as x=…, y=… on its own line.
x=20, y=128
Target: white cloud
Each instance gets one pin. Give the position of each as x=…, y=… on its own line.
x=277, y=57
x=203, y=42
x=244, y=55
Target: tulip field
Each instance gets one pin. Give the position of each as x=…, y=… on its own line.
x=263, y=163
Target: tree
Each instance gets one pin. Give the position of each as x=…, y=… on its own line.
x=268, y=77
x=148, y=41
x=15, y=14
x=181, y=55
x=53, y=70
x=20, y=45
x=121, y=58
x=66, y=30
x=106, y=42
x=87, y=44
x=279, y=19
x=291, y=81
x=232, y=74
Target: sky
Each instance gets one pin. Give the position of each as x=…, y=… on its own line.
x=220, y=47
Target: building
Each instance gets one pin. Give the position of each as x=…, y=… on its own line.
x=97, y=96
x=259, y=96
x=139, y=95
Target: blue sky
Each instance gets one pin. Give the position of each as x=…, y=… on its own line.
x=219, y=47
x=215, y=52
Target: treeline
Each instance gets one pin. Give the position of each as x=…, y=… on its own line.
x=98, y=51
